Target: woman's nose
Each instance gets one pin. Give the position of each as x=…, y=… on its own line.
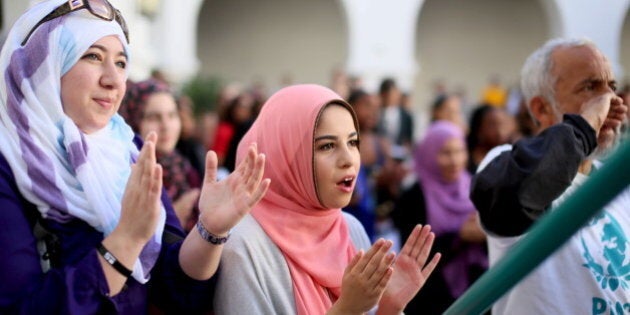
x=112, y=77
x=345, y=158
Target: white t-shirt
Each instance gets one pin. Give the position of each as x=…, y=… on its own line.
x=590, y=274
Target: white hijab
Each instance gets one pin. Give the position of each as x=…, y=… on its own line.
x=67, y=174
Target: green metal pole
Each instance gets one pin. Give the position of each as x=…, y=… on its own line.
x=547, y=235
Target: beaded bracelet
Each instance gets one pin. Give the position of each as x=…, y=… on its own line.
x=112, y=260
x=209, y=237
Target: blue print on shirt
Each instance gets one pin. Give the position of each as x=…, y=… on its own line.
x=612, y=268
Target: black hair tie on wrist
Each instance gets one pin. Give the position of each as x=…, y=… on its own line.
x=113, y=261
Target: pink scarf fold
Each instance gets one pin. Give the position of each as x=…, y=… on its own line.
x=314, y=240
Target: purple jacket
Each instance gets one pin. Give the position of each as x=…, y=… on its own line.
x=79, y=285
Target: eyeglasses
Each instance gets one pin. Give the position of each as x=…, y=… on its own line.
x=99, y=8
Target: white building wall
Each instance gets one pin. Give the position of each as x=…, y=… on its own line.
x=143, y=54
x=462, y=43
x=175, y=33
x=382, y=40
x=272, y=41
x=372, y=39
x=601, y=21
x=624, y=52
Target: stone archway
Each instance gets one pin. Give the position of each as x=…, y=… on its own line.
x=241, y=40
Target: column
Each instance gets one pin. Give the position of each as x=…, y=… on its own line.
x=175, y=39
x=382, y=40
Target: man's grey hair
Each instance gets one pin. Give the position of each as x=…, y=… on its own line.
x=536, y=77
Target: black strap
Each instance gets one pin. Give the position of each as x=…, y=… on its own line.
x=112, y=260
x=48, y=244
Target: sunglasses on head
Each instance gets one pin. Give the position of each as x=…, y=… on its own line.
x=99, y=8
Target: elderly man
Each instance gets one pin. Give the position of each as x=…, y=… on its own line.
x=569, y=88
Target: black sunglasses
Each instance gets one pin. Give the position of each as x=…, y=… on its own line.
x=99, y=8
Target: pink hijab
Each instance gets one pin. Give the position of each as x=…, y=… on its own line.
x=313, y=239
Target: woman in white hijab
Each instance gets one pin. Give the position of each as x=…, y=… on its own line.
x=87, y=227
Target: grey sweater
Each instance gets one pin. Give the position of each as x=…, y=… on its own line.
x=254, y=276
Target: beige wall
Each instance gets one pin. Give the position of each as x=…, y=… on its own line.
x=464, y=42
x=247, y=40
x=624, y=54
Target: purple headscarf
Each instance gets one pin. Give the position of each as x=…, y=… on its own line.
x=448, y=204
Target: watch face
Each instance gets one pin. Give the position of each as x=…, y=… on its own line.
x=110, y=259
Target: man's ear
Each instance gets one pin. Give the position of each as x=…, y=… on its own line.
x=542, y=111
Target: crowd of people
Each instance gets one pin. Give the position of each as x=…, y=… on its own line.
x=117, y=199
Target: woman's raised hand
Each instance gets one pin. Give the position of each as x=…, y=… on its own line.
x=141, y=206
x=365, y=279
x=411, y=271
x=222, y=204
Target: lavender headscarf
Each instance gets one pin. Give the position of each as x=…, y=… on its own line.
x=64, y=172
x=447, y=204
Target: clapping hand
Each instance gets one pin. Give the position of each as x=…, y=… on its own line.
x=222, y=204
x=141, y=205
x=365, y=279
x=411, y=271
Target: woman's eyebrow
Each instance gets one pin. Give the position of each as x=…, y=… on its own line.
x=326, y=137
x=104, y=49
x=331, y=137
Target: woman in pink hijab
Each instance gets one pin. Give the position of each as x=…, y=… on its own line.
x=297, y=253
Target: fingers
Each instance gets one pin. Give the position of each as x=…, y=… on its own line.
x=385, y=279
x=384, y=266
x=425, y=249
x=379, y=262
x=255, y=175
x=411, y=240
x=252, y=156
x=424, y=242
x=374, y=267
x=416, y=241
x=596, y=109
x=251, y=172
x=145, y=166
x=156, y=183
x=151, y=137
x=211, y=167
x=354, y=261
x=428, y=269
x=616, y=114
x=370, y=253
x=260, y=192
x=244, y=167
x=150, y=172
x=145, y=151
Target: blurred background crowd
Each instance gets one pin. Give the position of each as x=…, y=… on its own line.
x=404, y=179
x=426, y=122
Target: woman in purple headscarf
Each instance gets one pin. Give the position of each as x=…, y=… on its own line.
x=439, y=197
